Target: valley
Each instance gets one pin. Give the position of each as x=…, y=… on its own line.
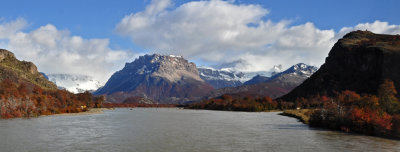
x=199, y=75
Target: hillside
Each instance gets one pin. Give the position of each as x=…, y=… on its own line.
x=24, y=92
x=360, y=62
x=21, y=71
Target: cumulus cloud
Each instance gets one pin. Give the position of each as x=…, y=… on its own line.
x=56, y=51
x=223, y=31
x=8, y=29
x=376, y=27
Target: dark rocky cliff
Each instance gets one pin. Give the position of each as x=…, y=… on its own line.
x=360, y=61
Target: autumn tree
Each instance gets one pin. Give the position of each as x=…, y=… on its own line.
x=387, y=97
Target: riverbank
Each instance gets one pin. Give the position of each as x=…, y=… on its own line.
x=91, y=111
x=302, y=114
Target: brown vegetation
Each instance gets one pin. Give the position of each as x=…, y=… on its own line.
x=27, y=100
x=367, y=114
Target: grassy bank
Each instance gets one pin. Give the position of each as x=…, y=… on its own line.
x=302, y=114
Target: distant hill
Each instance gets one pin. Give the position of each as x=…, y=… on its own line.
x=360, y=62
x=160, y=78
x=22, y=71
x=256, y=79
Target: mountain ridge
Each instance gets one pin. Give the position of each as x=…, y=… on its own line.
x=275, y=86
x=22, y=71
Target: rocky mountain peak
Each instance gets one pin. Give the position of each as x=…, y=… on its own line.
x=162, y=78
x=170, y=67
x=300, y=69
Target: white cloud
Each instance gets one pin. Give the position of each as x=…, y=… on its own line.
x=56, y=51
x=224, y=31
x=10, y=28
x=376, y=27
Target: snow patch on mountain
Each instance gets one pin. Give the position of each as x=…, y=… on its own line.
x=230, y=75
x=299, y=69
x=75, y=83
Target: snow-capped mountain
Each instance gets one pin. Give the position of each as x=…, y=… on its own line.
x=300, y=69
x=228, y=77
x=220, y=78
x=75, y=83
x=160, y=78
x=274, y=86
x=295, y=74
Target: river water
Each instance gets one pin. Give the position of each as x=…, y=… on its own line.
x=174, y=130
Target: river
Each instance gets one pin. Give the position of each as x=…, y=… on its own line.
x=174, y=130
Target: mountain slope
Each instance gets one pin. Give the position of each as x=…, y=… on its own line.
x=360, y=61
x=227, y=75
x=276, y=86
x=219, y=78
x=164, y=79
x=257, y=79
x=21, y=71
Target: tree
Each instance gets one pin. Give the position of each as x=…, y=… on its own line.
x=387, y=97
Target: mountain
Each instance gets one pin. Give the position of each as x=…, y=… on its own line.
x=228, y=75
x=296, y=74
x=220, y=78
x=360, y=61
x=21, y=71
x=161, y=78
x=257, y=79
x=75, y=83
x=275, y=86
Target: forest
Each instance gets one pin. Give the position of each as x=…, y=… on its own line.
x=368, y=114
x=28, y=100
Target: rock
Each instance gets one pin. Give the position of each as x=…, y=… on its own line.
x=360, y=62
x=21, y=71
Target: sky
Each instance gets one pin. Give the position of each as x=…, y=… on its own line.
x=97, y=37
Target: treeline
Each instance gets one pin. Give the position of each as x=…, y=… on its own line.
x=28, y=100
x=237, y=103
x=368, y=114
x=134, y=105
x=256, y=104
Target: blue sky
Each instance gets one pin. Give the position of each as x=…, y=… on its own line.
x=316, y=23
x=97, y=18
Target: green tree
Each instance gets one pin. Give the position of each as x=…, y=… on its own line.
x=387, y=97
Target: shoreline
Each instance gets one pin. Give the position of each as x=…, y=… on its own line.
x=302, y=115
x=91, y=111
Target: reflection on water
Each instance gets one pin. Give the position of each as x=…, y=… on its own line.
x=170, y=129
